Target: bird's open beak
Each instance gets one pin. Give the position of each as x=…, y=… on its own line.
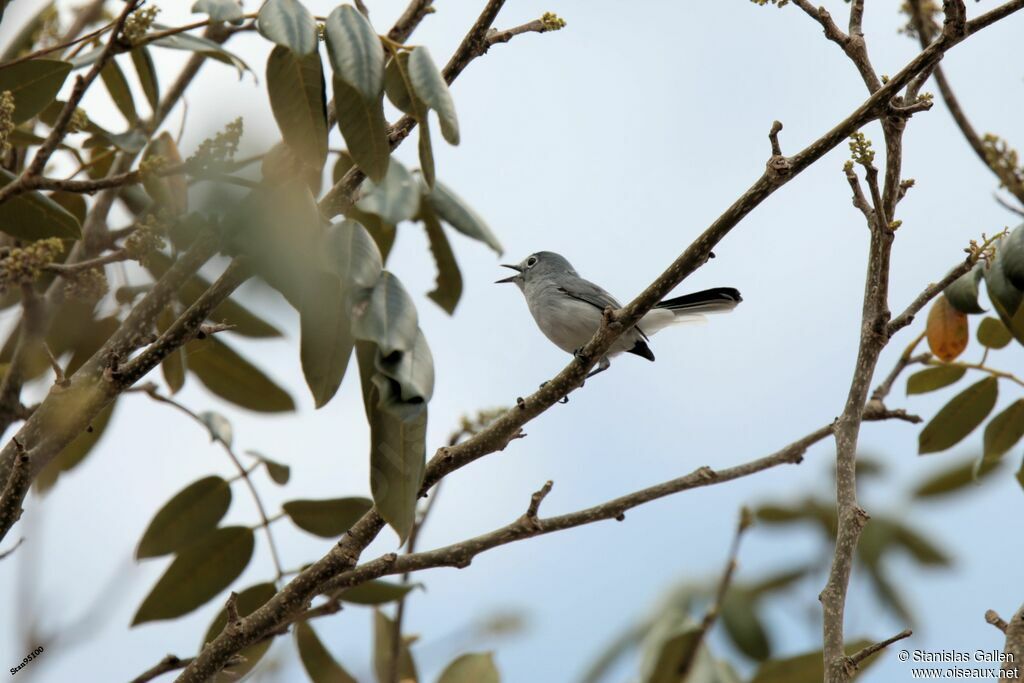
x=511, y=278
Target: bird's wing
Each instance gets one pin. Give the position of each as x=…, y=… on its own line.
x=587, y=292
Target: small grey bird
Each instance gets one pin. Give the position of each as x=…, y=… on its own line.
x=568, y=308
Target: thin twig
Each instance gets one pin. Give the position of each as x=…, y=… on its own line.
x=856, y=658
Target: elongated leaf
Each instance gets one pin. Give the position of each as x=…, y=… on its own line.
x=457, y=213
x=192, y=513
x=145, y=69
x=675, y=653
x=959, y=417
x=170, y=192
x=120, y=92
x=1005, y=297
x=288, y=24
x=219, y=10
x=235, y=379
x=947, y=330
x=744, y=626
x=951, y=480
x=1013, y=257
x=921, y=548
x=203, y=46
x=357, y=56
x=279, y=473
x=173, y=366
x=430, y=87
x=320, y=666
x=199, y=572
x=413, y=370
x=249, y=600
x=388, y=318
x=963, y=292
x=395, y=199
x=354, y=254
x=364, y=128
x=298, y=99
x=399, y=90
x=75, y=452
x=448, y=288
x=375, y=592
x=34, y=84
x=34, y=216
x=993, y=333
x=327, y=340
x=384, y=648
x=806, y=668
x=1004, y=431
x=477, y=667
x=934, y=378
x=24, y=39
x=328, y=518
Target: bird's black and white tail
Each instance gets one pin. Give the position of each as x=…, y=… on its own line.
x=714, y=300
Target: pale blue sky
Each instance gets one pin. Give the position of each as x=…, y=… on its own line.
x=614, y=142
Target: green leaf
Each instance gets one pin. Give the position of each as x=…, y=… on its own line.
x=298, y=99
x=676, y=652
x=120, y=92
x=413, y=370
x=457, y=213
x=354, y=255
x=328, y=518
x=993, y=333
x=192, y=513
x=476, y=667
x=235, y=379
x=145, y=69
x=173, y=366
x=170, y=192
x=375, y=592
x=429, y=86
x=934, y=378
x=34, y=84
x=200, y=45
x=959, y=417
x=279, y=473
x=388, y=318
x=357, y=56
x=1013, y=257
x=744, y=626
x=962, y=293
x=249, y=600
x=921, y=548
x=320, y=666
x=326, y=341
x=364, y=128
x=448, y=288
x=288, y=24
x=384, y=648
x=806, y=668
x=199, y=572
x=1003, y=432
x=75, y=452
x=219, y=10
x=1020, y=474
x=1005, y=297
x=950, y=480
x=34, y=216
x=399, y=91
x=395, y=199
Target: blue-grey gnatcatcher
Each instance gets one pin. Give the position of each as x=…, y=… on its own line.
x=568, y=308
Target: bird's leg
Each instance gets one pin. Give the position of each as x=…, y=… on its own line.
x=564, y=399
x=601, y=367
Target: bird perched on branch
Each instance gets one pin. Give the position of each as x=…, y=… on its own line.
x=568, y=308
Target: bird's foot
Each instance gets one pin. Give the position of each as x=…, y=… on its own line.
x=563, y=400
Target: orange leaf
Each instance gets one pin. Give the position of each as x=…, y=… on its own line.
x=947, y=330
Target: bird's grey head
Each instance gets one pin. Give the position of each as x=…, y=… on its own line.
x=536, y=266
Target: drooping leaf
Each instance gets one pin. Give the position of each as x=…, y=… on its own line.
x=279, y=473
x=249, y=600
x=326, y=336
x=199, y=572
x=670, y=653
x=33, y=84
x=993, y=333
x=173, y=366
x=934, y=378
x=1004, y=431
x=947, y=330
x=1004, y=296
x=320, y=666
x=457, y=213
x=328, y=518
x=744, y=626
x=963, y=292
x=34, y=216
x=145, y=69
x=388, y=318
x=219, y=10
x=399, y=90
x=807, y=668
x=76, y=451
x=298, y=99
x=170, y=192
x=357, y=56
x=200, y=45
x=192, y=513
x=354, y=254
x=288, y=24
x=430, y=87
x=395, y=199
x=72, y=202
x=235, y=379
x=364, y=128
x=413, y=370
x=375, y=592
x=476, y=667
x=951, y=480
x=120, y=92
x=959, y=417
x=1013, y=257
x=383, y=651
x=448, y=288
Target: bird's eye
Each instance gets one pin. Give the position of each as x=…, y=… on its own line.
x=531, y=262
